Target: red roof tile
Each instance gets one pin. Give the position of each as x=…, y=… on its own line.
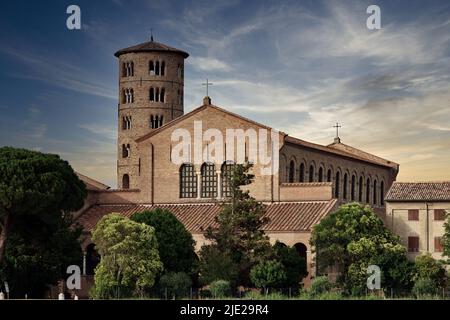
x=284, y=216
x=419, y=191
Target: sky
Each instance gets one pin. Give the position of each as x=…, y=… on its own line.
x=297, y=66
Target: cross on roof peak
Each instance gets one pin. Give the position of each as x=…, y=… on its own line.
x=337, y=139
x=207, y=84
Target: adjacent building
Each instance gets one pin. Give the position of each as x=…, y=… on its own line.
x=416, y=211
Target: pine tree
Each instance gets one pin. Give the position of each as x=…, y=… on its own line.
x=239, y=224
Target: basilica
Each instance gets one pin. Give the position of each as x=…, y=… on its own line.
x=305, y=183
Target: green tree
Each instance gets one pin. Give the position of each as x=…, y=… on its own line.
x=217, y=265
x=446, y=237
x=353, y=238
x=239, y=225
x=294, y=264
x=425, y=287
x=129, y=257
x=37, y=255
x=175, y=243
x=34, y=183
x=175, y=284
x=268, y=274
x=220, y=289
x=426, y=267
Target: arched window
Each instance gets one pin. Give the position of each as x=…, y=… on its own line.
x=352, y=191
x=126, y=123
x=209, y=180
x=160, y=121
x=157, y=95
x=320, y=174
x=163, y=68
x=360, y=189
x=152, y=94
x=337, y=184
x=311, y=173
x=382, y=193
x=345, y=185
x=132, y=69
x=227, y=174
x=302, y=172
x=152, y=122
x=375, y=192
x=291, y=171
x=152, y=68
x=126, y=181
x=162, y=98
x=188, y=181
x=329, y=175
x=157, y=68
x=126, y=150
x=368, y=190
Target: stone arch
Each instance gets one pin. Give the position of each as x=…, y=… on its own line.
x=345, y=185
x=368, y=183
x=321, y=173
x=330, y=173
x=337, y=183
x=291, y=175
x=125, y=181
x=302, y=250
x=92, y=259
x=361, y=188
x=382, y=191
x=302, y=171
x=312, y=171
x=283, y=164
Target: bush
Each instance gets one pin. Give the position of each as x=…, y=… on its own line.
x=426, y=267
x=320, y=285
x=175, y=243
x=268, y=274
x=294, y=265
x=425, y=287
x=220, y=289
x=217, y=265
x=176, y=284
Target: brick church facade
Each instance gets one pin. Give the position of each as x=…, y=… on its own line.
x=308, y=182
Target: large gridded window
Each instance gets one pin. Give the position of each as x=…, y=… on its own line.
x=209, y=180
x=188, y=181
x=227, y=175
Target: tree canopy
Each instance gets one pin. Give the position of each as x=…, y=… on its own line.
x=239, y=225
x=34, y=183
x=353, y=238
x=175, y=243
x=129, y=257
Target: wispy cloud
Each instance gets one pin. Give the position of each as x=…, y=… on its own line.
x=57, y=73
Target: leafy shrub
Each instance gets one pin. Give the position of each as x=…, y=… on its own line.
x=320, y=285
x=176, y=284
x=268, y=274
x=424, y=287
x=220, y=289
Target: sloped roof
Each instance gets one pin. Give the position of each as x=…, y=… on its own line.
x=352, y=153
x=151, y=46
x=91, y=184
x=283, y=216
x=336, y=149
x=195, y=111
x=419, y=191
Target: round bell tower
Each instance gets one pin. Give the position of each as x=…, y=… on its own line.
x=151, y=89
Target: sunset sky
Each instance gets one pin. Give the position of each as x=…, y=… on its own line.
x=297, y=66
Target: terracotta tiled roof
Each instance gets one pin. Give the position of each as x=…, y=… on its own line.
x=284, y=216
x=419, y=191
x=151, y=46
x=353, y=155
